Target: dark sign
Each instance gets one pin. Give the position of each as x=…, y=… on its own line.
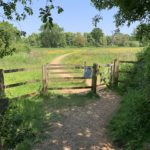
x=87, y=72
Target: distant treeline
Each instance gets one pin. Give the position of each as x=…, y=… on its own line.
x=56, y=37
x=12, y=40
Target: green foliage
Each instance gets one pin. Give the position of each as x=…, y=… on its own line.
x=18, y=10
x=53, y=37
x=21, y=47
x=8, y=35
x=10, y=40
x=130, y=126
x=21, y=121
x=133, y=43
x=120, y=39
x=128, y=10
x=97, y=35
x=142, y=33
x=79, y=40
x=33, y=40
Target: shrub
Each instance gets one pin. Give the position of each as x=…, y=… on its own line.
x=130, y=127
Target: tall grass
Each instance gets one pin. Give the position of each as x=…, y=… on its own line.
x=36, y=58
x=102, y=55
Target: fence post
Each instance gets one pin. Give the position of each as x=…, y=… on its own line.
x=2, y=86
x=94, y=78
x=115, y=73
x=44, y=79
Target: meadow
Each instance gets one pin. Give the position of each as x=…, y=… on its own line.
x=40, y=56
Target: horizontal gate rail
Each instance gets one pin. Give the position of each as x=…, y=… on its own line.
x=66, y=68
x=130, y=62
x=21, y=83
x=26, y=95
x=67, y=88
x=68, y=78
x=20, y=70
x=65, y=65
x=63, y=72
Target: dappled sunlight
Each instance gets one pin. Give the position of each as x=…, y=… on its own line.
x=82, y=128
x=67, y=148
x=59, y=125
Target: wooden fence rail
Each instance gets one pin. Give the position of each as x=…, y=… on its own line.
x=45, y=76
x=116, y=71
x=3, y=86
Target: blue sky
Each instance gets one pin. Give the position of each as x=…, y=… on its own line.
x=77, y=17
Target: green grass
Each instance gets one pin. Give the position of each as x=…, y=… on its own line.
x=39, y=56
x=102, y=55
x=36, y=58
x=28, y=121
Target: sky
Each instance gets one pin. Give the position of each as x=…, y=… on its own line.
x=77, y=17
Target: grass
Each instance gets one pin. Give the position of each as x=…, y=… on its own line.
x=30, y=118
x=28, y=121
x=36, y=58
x=39, y=56
x=102, y=55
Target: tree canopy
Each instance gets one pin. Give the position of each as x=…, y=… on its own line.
x=8, y=34
x=128, y=10
x=142, y=33
x=11, y=11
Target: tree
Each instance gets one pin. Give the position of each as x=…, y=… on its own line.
x=128, y=10
x=142, y=33
x=12, y=10
x=53, y=37
x=79, y=40
x=34, y=39
x=89, y=39
x=8, y=35
x=97, y=35
x=69, y=38
x=120, y=39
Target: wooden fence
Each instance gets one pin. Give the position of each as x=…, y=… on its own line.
x=117, y=71
x=45, y=79
x=62, y=71
x=72, y=69
x=3, y=86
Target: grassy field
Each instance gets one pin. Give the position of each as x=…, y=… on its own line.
x=102, y=55
x=39, y=56
x=36, y=58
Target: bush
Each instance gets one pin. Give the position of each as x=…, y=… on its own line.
x=21, y=47
x=133, y=44
x=130, y=127
x=21, y=124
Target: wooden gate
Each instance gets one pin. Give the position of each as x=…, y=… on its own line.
x=53, y=74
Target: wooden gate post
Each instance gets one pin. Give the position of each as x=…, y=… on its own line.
x=115, y=73
x=94, y=78
x=44, y=79
x=2, y=86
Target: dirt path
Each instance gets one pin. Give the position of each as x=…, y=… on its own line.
x=58, y=60
x=83, y=128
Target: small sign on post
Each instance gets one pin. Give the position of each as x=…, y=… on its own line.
x=87, y=72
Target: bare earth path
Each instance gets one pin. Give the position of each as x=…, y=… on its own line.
x=58, y=60
x=83, y=128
